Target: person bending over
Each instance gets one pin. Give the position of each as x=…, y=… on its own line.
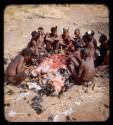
x=17, y=70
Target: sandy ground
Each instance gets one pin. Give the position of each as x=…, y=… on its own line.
x=20, y=21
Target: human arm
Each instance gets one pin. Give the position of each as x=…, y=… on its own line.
x=47, y=38
x=20, y=66
x=81, y=68
x=34, y=43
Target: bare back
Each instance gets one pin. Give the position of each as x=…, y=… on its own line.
x=87, y=70
x=77, y=55
x=91, y=50
x=15, y=65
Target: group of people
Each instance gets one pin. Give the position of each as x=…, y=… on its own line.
x=82, y=52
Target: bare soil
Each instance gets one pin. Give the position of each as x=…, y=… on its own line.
x=81, y=105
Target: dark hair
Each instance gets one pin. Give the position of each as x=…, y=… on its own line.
x=26, y=52
x=92, y=33
x=33, y=33
x=40, y=28
x=103, y=37
x=77, y=30
x=84, y=37
x=84, y=51
x=35, y=37
x=53, y=28
x=65, y=29
x=88, y=37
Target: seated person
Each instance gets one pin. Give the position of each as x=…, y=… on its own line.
x=106, y=55
x=86, y=71
x=39, y=53
x=31, y=45
x=37, y=40
x=65, y=40
x=16, y=70
x=33, y=33
x=103, y=49
x=73, y=66
x=52, y=40
x=41, y=38
x=77, y=38
x=94, y=41
x=76, y=52
x=74, y=61
x=41, y=31
x=87, y=38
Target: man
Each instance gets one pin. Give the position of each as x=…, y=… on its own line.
x=87, y=38
x=76, y=52
x=17, y=70
x=65, y=40
x=94, y=41
x=103, y=49
x=33, y=33
x=37, y=40
x=39, y=52
x=103, y=58
x=106, y=54
x=41, y=31
x=32, y=43
x=77, y=38
x=74, y=61
x=86, y=71
x=52, y=40
x=41, y=37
